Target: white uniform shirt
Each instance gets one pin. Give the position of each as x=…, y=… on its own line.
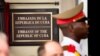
x=84, y=46
x=68, y=41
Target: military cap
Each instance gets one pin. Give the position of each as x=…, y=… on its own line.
x=71, y=15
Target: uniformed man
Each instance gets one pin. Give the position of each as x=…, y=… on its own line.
x=74, y=28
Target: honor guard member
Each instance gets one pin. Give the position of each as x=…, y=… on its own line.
x=74, y=28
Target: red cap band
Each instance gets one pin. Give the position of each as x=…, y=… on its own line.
x=70, y=20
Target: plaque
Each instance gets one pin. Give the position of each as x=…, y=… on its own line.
x=33, y=27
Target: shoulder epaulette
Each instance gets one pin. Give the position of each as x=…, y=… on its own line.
x=71, y=48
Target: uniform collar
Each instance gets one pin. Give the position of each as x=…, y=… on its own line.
x=71, y=41
x=68, y=41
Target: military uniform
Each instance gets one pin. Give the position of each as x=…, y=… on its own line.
x=71, y=47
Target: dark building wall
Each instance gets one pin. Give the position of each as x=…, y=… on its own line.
x=1, y=14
